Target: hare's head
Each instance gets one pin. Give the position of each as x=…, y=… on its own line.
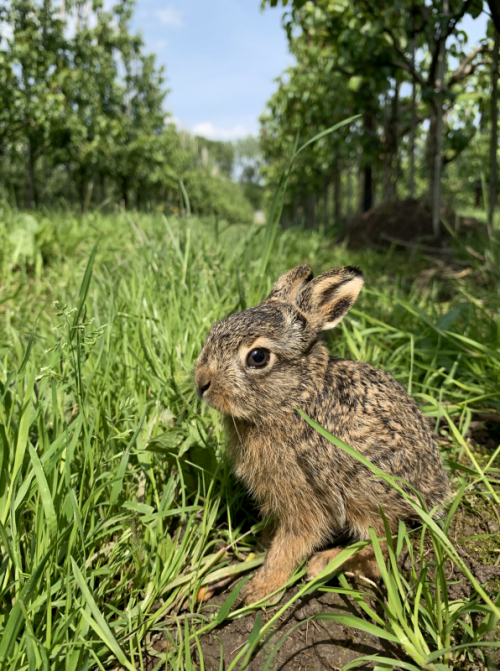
x=256, y=363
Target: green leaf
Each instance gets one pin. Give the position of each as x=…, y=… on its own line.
x=475, y=9
x=474, y=644
x=391, y=663
x=355, y=83
x=46, y=496
x=445, y=321
x=27, y=353
x=357, y=623
x=254, y=634
x=122, y=468
x=16, y=617
x=76, y=512
x=141, y=508
x=84, y=288
x=22, y=440
x=231, y=599
x=166, y=442
x=97, y=622
x=6, y=543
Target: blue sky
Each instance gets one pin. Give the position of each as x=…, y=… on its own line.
x=221, y=58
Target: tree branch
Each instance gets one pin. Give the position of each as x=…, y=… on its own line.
x=453, y=21
x=465, y=68
x=494, y=6
x=406, y=65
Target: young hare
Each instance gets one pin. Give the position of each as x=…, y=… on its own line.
x=257, y=367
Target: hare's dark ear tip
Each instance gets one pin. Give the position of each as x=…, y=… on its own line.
x=355, y=271
x=305, y=272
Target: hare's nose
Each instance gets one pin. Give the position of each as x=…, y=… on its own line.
x=205, y=388
x=203, y=382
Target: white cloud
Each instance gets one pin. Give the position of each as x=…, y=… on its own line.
x=208, y=130
x=170, y=17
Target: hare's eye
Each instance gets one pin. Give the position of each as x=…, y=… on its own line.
x=258, y=358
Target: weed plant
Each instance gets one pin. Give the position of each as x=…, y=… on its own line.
x=117, y=504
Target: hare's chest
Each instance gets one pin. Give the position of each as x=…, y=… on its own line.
x=269, y=471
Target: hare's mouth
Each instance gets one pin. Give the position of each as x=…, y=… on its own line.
x=223, y=404
x=218, y=401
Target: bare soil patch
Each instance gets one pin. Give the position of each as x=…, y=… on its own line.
x=404, y=223
x=314, y=645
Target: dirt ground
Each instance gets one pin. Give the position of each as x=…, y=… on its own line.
x=403, y=223
x=313, y=645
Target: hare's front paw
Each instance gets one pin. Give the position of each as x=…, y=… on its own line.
x=320, y=561
x=258, y=588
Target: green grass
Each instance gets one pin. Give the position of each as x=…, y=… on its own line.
x=116, y=500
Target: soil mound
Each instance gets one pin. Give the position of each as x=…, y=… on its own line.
x=404, y=221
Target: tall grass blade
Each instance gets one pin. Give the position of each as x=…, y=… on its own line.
x=98, y=623
x=84, y=288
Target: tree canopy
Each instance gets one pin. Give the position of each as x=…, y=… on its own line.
x=406, y=69
x=82, y=117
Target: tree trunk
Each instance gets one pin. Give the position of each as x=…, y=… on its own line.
x=367, y=168
x=413, y=122
x=478, y=193
x=124, y=200
x=88, y=196
x=438, y=142
x=69, y=185
x=387, y=156
x=102, y=184
x=494, y=136
x=431, y=152
x=349, y=196
x=494, y=6
x=310, y=211
x=326, y=186
x=337, y=196
x=395, y=135
x=367, y=188
x=30, y=177
x=80, y=188
x=390, y=147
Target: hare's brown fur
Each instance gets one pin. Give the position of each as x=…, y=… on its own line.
x=314, y=489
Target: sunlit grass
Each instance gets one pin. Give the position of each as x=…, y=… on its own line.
x=116, y=500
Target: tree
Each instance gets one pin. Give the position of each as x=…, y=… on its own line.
x=221, y=154
x=377, y=43
x=33, y=62
x=494, y=6
x=249, y=162
x=82, y=116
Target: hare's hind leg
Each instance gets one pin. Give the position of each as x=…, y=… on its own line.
x=362, y=565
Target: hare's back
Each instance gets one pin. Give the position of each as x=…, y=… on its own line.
x=373, y=413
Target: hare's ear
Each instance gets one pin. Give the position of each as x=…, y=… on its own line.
x=329, y=297
x=289, y=285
